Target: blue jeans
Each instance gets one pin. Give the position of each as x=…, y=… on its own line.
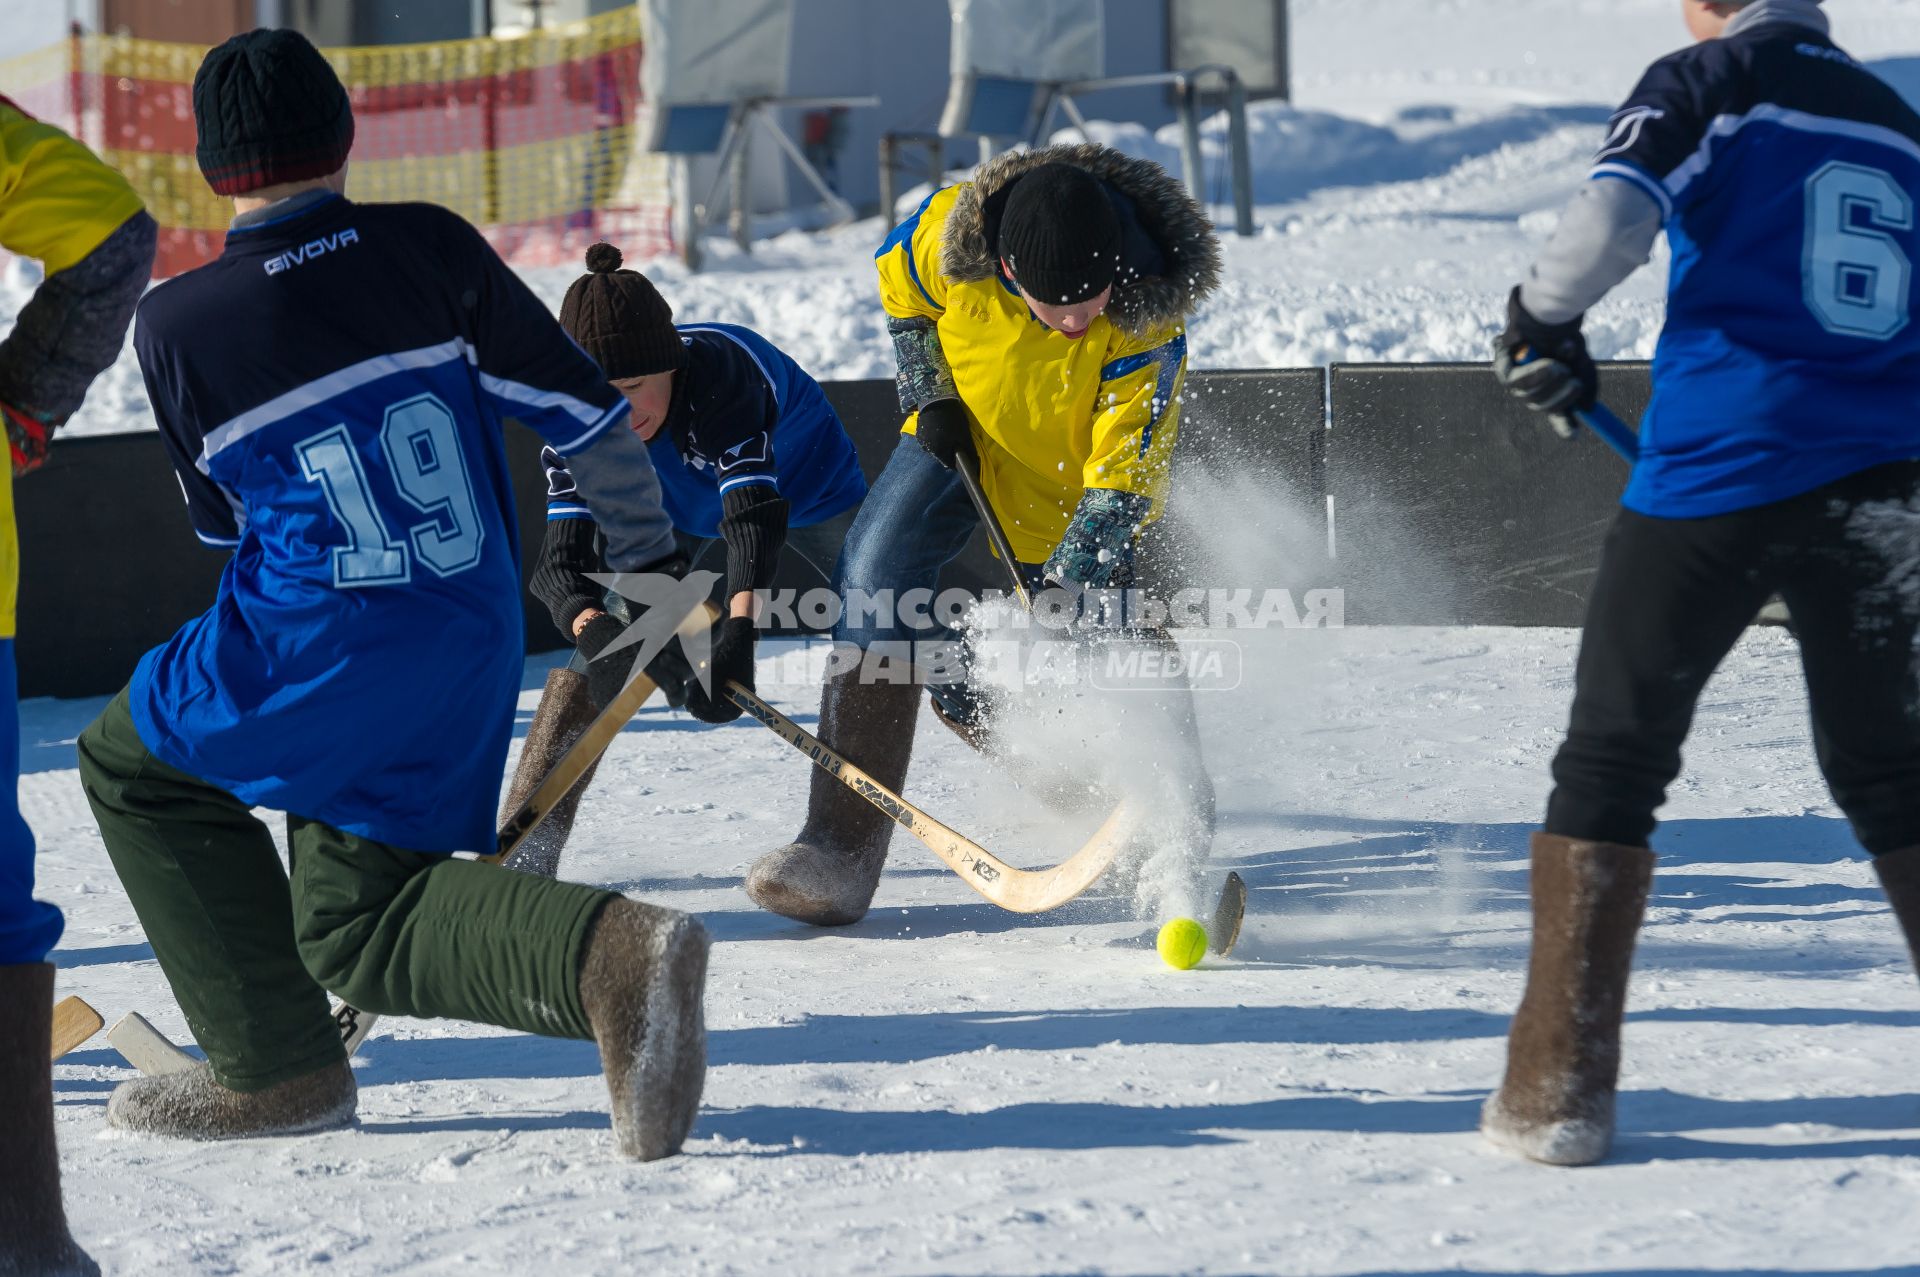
x=917, y=518
x=28, y=927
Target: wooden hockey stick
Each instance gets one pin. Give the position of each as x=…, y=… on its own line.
x=356, y=1024
x=146, y=1048
x=1020, y=890
x=1230, y=912
x=73, y=1023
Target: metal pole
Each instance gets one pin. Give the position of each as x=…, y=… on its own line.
x=738, y=221
x=687, y=214
x=889, y=179
x=1190, y=163
x=1241, y=155
x=842, y=210
x=1284, y=53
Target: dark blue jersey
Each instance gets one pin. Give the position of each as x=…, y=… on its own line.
x=1788, y=176
x=331, y=391
x=742, y=412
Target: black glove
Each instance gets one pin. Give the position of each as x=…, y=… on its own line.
x=945, y=432
x=607, y=675
x=730, y=661
x=1546, y=366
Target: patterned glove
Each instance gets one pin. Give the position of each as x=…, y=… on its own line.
x=1097, y=551
x=26, y=440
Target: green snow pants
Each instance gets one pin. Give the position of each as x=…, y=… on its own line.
x=252, y=950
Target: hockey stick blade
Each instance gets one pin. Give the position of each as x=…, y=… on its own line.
x=146, y=1048
x=1228, y=915
x=73, y=1023
x=1012, y=888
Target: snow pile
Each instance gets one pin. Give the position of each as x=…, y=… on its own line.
x=1294, y=152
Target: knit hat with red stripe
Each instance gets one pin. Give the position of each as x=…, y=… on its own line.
x=269, y=109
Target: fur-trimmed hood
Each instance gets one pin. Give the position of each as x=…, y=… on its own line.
x=1188, y=269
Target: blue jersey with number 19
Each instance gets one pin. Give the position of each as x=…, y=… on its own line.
x=1788, y=176
x=331, y=391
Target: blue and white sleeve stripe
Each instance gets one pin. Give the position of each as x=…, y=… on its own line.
x=1640, y=178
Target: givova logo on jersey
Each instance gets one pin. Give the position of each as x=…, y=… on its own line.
x=311, y=249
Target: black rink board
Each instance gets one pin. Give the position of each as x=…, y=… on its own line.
x=1453, y=504
x=1252, y=450
x=111, y=568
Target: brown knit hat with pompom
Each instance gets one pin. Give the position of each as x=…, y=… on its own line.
x=620, y=319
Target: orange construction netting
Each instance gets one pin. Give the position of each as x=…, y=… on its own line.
x=529, y=138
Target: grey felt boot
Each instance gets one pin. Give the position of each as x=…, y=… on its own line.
x=1563, y=1053
x=1900, y=878
x=564, y=713
x=33, y=1221
x=827, y=875
x=643, y=979
x=193, y=1106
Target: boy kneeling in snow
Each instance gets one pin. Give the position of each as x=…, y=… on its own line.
x=331, y=391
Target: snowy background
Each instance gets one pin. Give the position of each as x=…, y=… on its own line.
x=947, y=1089
x=1432, y=143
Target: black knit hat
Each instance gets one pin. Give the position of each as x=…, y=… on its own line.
x=1060, y=235
x=269, y=109
x=621, y=319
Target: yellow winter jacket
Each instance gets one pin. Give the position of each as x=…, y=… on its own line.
x=1053, y=416
x=58, y=201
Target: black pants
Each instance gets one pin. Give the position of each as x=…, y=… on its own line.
x=1672, y=598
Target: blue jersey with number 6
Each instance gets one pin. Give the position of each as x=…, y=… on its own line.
x=1789, y=177
x=331, y=391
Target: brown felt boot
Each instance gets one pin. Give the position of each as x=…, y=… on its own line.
x=193, y=1106
x=827, y=875
x=564, y=713
x=642, y=981
x=33, y=1222
x=1900, y=878
x=1563, y=1052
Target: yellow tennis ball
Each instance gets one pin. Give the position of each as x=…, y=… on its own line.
x=1182, y=943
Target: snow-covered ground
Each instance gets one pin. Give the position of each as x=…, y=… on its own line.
x=948, y=1089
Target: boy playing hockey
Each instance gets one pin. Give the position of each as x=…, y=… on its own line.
x=750, y=456
x=1038, y=315
x=1782, y=425
x=79, y=218
x=331, y=391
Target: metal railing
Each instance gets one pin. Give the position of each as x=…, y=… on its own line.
x=927, y=150
x=1186, y=88
x=735, y=152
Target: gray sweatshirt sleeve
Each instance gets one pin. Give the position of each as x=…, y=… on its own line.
x=1605, y=235
x=614, y=478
